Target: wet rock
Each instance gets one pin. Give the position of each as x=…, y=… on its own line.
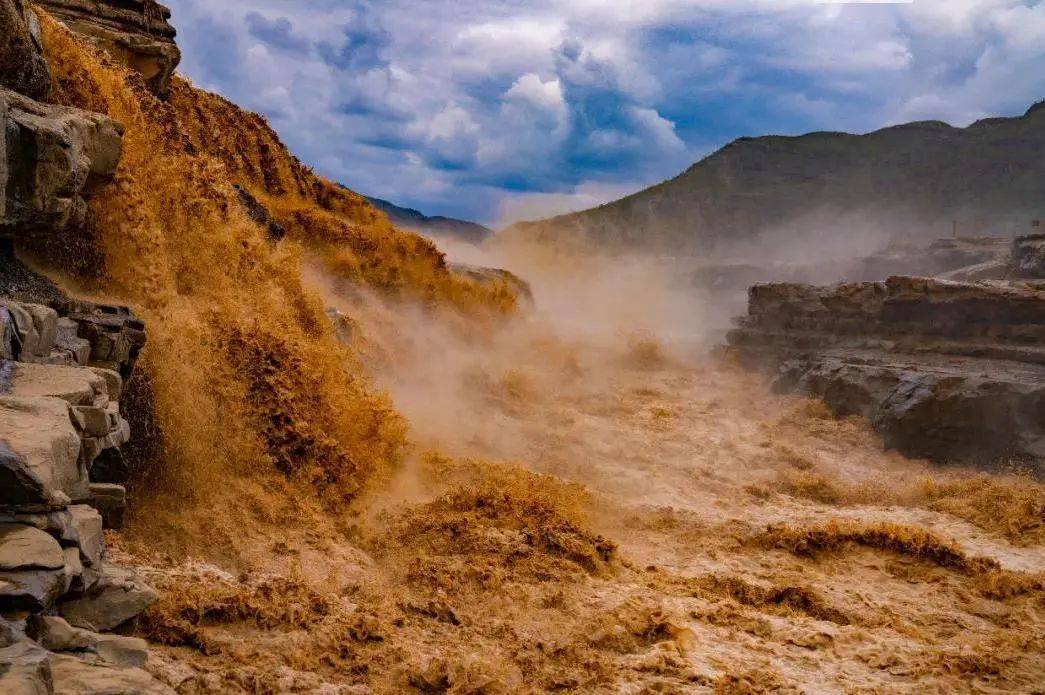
x=22, y=65
x=111, y=502
x=135, y=32
x=260, y=214
x=54, y=156
x=115, y=334
x=120, y=595
x=944, y=370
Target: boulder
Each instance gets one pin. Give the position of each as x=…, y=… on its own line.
x=19, y=282
x=11, y=631
x=87, y=523
x=55, y=155
x=25, y=547
x=110, y=467
x=113, y=382
x=33, y=590
x=115, y=334
x=75, y=573
x=56, y=635
x=75, y=386
x=42, y=460
x=135, y=32
x=76, y=676
x=122, y=651
x=22, y=65
x=19, y=485
x=119, y=596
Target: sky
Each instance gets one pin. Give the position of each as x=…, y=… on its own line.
x=500, y=110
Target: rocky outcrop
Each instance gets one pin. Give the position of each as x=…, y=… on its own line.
x=784, y=192
x=22, y=65
x=136, y=32
x=944, y=370
x=51, y=158
x=60, y=384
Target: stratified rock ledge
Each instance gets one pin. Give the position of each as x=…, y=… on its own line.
x=949, y=371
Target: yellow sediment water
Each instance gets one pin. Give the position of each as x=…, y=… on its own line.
x=472, y=499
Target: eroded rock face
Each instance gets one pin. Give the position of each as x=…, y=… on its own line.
x=51, y=158
x=22, y=65
x=944, y=370
x=58, y=417
x=135, y=32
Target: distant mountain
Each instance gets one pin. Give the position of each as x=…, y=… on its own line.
x=408, y=218
x=916, y=180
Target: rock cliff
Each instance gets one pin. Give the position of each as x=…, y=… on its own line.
x=63, y=364
x=136, y=32
x=61, y=430
x=944, y=370
x=913, y=180
x=52, y=156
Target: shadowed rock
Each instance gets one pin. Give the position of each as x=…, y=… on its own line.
x=22, y=65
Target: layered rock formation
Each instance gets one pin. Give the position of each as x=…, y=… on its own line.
x=135, y=32
x=944, y=370
x=51, y=157
x=918, y=178
x=59, y=425
x=62, y=367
